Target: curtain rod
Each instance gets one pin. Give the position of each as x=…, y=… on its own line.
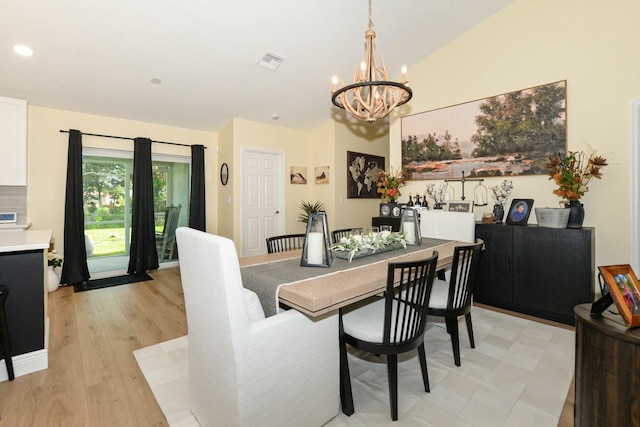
x=131, y=139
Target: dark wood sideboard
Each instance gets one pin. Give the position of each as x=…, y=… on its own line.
x=542, y=272
x=607, y=366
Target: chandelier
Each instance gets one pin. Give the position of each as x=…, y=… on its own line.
x=372, y=96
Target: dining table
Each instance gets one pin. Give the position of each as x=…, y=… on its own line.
x=279, y=280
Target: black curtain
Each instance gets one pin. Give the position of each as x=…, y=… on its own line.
x=143, y=255
x=197, y=211
x=74, y=268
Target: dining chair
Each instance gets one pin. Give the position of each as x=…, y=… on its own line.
x=5, y=342
x=336, y=235
x=287, y=242
x=390, y=325
x=166, y=241
x=245, y=369
x=453, y=298
x=439, y=224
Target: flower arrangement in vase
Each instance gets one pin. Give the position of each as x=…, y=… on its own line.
x=53, y=259
x=438, y=195
x=500, y=193
x=573, y=172
x=389, y=184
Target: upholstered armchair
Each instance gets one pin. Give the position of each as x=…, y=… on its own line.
x=244, y=369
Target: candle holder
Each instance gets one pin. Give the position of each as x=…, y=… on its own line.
x=410, y=225
x=316, y=251
x=480, y=195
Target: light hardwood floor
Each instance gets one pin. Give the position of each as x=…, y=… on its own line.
x=93, y=378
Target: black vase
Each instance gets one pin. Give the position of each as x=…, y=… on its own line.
x=437, y=205
x=576, y=214
x=498, y=211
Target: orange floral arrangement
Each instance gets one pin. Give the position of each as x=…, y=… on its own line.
x=574, y=171
x=389, y=184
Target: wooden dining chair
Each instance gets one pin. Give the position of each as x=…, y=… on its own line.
x=453, y=298
x=336, y=235
x=287, y=242
x=390, y=325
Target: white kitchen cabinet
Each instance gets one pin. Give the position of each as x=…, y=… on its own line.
x=13, y=141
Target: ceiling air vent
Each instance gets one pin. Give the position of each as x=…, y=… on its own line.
x=271, y=61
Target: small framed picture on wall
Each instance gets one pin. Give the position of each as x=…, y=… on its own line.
x=298, y=174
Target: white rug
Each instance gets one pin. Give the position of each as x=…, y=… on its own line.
x=518, y=375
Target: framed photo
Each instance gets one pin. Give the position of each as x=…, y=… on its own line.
x=622, y=284
x=362, y=175
x=510, y=134
x=298, y=174
x=322, y=174
x=460, y=206
x=519, y=211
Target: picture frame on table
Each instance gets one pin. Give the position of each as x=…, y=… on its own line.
x=459, y=206
x=622, y=284
x=519, y=211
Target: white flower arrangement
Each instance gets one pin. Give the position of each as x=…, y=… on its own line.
x=439, y=195
x=502, y=191
x=373, y=242
x=53, y=259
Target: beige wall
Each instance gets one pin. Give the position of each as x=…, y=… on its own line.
x=361, y=138
x=47, y=158
x=594, y=46
x=296, y=146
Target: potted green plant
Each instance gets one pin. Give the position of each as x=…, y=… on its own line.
x=309, y=208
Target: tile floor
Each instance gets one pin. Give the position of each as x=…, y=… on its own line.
x=518, y=375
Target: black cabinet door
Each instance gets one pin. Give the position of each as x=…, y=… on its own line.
x=552, y=270
x=494, y=283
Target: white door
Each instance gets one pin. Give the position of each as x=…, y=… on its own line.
x=262, y=199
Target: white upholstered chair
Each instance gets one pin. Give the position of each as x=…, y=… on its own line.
x=277, y=371
x=440, y=224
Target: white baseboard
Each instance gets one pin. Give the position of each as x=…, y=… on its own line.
x=27, y=363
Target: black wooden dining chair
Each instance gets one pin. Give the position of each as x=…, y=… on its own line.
x=287, y=242
x=4, y=333
x=391, y=325
x=336, y=235
x=452, y=299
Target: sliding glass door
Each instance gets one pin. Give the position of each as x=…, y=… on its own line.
x=108, y=190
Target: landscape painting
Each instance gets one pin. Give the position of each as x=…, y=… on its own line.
x=506, y=135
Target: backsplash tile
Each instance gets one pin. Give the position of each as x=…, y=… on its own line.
x=14, y=199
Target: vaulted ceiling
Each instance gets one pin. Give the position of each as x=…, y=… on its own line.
x=100, y=57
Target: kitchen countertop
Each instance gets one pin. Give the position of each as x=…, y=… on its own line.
x=15, y=241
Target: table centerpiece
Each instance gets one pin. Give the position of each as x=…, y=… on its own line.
x=360, y=245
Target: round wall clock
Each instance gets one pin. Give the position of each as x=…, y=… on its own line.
x=224, y=174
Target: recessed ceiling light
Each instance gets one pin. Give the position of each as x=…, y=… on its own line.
x=22, y=50
x=156, y=81
x=275, y=116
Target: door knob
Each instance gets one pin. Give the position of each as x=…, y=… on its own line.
x=277, y=212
